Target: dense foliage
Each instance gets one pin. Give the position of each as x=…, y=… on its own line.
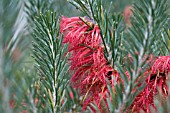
x=106, y=56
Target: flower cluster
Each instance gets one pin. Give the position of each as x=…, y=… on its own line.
x=155, y=82
x=89, y=67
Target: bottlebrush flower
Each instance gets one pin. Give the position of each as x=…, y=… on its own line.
x=155, y=81
x=89, y=67
x=77, y=33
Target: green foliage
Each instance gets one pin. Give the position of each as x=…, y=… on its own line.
x=11, y=45
x=39, y=8
x=46, y=88
x=50, y=60
x=34, y=7
x=144, y=37
x=115, y=37
x=7, y=26
x=163, y=44
x=147, y=21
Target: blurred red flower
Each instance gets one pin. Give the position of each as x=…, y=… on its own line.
x=127, y=14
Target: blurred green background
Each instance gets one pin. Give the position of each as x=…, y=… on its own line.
x=115, y=5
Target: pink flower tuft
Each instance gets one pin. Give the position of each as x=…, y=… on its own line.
x=88, y=64
x=77, y=33
x=154, y=82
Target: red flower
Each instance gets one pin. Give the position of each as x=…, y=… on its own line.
x=154, y=82
x=71, y=95
x=88, y=64
x=77, y=33
x=127, y=13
